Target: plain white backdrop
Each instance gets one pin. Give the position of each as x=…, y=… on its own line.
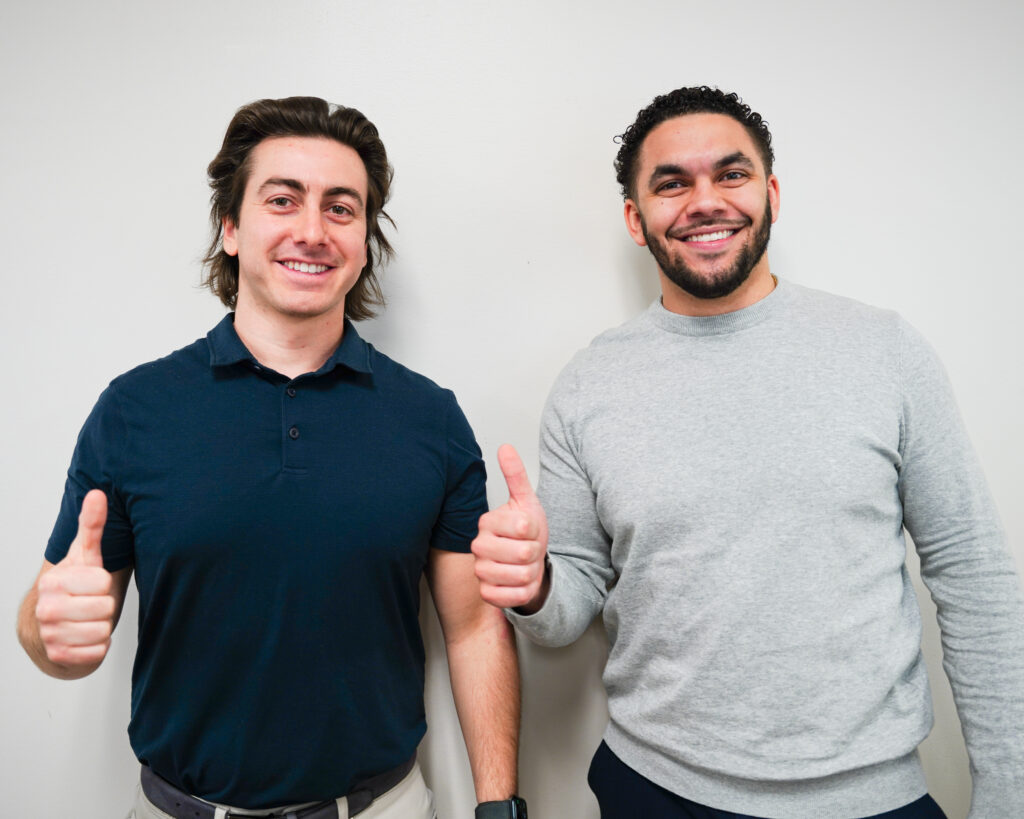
x=897, y=128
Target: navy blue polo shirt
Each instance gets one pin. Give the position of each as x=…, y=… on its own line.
x=278, y=529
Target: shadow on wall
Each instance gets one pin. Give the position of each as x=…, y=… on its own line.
x=565, y=712
x=563, y=717
x=637, y=277
x=943, y=753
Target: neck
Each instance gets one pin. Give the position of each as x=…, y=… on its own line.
x=759, y=284
x=291, y=346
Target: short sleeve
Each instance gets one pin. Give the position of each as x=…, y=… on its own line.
x=96, y=464
x=465, y=497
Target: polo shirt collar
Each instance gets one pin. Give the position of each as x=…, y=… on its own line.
x=226, y=348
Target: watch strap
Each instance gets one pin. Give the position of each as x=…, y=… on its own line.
x=514, y=808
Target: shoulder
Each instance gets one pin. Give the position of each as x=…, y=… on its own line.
x=163, y=373
x=151, y=384
x=819, y=308
x=638, y=330
x=415, y=405
x=617, y=348
x=396, y=381
x=147, y=394
x=828, y=327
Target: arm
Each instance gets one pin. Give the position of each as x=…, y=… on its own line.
x=484, y=673
x=67, y=618
x=970, y=575
x=552, y=601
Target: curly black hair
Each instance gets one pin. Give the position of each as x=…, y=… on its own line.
x=688, y=100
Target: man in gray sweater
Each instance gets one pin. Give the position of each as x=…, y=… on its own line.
x=727, y=478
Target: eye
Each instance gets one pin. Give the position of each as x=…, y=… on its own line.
x=734, y=176
x=340, y=210
x=280, y=201
x=670, y=186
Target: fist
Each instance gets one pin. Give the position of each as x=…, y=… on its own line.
x=75, y=607
x=512, y=542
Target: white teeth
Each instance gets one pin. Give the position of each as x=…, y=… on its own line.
x=303, y=267
x=709, y=237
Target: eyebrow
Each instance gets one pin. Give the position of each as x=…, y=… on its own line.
x=735, y=158
x=296, y=185
x=671, y=169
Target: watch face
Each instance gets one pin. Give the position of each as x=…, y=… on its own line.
x=518, y=808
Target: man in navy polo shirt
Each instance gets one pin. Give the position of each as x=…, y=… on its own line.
x=278, y=488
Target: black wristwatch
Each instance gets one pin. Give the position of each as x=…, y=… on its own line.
x=514, y=808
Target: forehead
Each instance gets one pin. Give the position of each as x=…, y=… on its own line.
x=316, y=162
x=696, y=140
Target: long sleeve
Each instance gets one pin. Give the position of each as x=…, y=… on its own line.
x=971, y=577
x=579, y=547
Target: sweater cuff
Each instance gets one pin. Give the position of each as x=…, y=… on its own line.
x=566, y=612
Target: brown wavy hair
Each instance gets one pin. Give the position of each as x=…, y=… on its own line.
x=297, y=117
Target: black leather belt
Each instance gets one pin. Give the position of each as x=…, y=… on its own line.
x=183, y=806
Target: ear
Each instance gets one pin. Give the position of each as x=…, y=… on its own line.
x=229, y=241
x=773, y=196
x=634, y=222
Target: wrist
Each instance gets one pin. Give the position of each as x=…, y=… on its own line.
x=540, y=598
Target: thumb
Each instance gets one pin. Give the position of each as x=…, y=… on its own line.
x=519, y=489
x=85, y=548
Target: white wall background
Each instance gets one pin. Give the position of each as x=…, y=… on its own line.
x=898, y=129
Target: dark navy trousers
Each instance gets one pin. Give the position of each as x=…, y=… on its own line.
x=622, y=793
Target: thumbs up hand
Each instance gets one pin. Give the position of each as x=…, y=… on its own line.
x=512, y=543
x=75, y=607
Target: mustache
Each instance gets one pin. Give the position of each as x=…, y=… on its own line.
x=681, y=231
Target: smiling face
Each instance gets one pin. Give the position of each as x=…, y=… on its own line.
x=704, y=207
x=301, y=232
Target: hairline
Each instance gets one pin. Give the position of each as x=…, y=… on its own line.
x=244, y=172
x=761, y=151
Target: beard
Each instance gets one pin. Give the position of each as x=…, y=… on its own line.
x=720, y=282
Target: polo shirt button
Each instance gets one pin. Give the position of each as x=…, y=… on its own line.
x=293, y=433
x=291, y=392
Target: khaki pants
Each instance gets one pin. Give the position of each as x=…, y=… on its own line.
x=409, y=799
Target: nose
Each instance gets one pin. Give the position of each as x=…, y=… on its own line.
x=309, y=227
x=705, y=199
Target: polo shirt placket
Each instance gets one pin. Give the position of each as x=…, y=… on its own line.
x=298, y=432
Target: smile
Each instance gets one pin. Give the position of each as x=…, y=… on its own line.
x=304, y=267
x=710, y=237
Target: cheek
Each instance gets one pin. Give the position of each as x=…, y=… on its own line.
x=668, y=208
x=752, y=206
x=355, y=248
x=664, y=214
x=255, y=239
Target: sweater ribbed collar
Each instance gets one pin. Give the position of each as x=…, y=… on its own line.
x=720, y=324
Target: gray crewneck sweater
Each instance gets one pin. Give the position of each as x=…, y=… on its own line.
x=731, y=492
